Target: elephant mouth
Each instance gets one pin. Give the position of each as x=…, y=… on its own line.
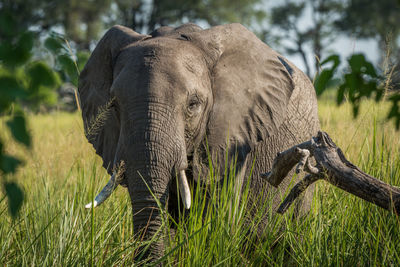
x=116, y=179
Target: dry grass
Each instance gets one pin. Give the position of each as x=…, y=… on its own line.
x=59, y=144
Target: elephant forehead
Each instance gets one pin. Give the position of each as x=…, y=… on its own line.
x=175, y=57
x=166, y=53
x=161, y=67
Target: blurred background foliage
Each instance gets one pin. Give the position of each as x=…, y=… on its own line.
x=45, y=44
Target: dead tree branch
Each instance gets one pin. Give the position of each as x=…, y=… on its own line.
x=333, y=167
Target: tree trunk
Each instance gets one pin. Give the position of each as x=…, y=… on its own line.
x=304, y=57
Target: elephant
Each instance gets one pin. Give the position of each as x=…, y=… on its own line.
x=165, y=103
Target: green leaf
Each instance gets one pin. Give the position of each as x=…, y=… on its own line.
x=54, y=44
x=351, y=82
x=333, y=58
x=340, y=94
x=359, y=64
x=356, y=61
x=17, y=125
x=322, y=81
x=9, y=164
x=356, y=109
x=379, y=94
x=44, y=95
x=41, y=74
x=6, y=51
x=25, y=41
x=15, y=55
x=68, y=65
x=395, y=109
x=370, y=70
x=10, y=90
x=8, y=26
x=83, y=57
x=15, y=197
x=326, y=76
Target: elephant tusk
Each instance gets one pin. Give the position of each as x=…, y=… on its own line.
x=184, y=189
x=104, y=193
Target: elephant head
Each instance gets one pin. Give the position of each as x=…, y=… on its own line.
x=155, y=101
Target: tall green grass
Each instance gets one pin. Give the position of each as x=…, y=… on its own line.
x=62, y=173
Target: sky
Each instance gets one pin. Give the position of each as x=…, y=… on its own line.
x=344, y=46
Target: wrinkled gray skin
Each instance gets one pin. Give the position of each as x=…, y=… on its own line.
x=170, y=91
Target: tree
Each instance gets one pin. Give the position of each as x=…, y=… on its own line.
x=144, y=18
x=290, y=32
x=38, y=13
x=287, y=17
x=80, y=20
x=376, y=19
x=372, y=19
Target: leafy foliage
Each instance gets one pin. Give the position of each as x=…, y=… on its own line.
x=322, y=80
x=359, y=81
x=67, y=63
x=23, y=82
x=143, y=18
x=379, y=20
x=395, y=110
x=15, y=195
x=17, y=126
x=296, y=35
x=366, y=18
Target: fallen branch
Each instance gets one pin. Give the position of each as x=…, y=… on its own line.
x=333, y=167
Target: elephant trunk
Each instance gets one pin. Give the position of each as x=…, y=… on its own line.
x=155, y=152
x=147, y=199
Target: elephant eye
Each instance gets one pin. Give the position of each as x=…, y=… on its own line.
x=194, y=105
x=184, y=37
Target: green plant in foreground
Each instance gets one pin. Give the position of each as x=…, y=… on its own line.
x=26, y=83
x=359, y=81
x=23, y=82
x=67, y=63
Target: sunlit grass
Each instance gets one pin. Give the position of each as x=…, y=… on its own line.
x=62, y=173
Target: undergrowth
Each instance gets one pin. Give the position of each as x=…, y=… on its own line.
x=62, y=174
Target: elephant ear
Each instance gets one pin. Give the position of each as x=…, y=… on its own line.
x=251, y=84
x=101, y=122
